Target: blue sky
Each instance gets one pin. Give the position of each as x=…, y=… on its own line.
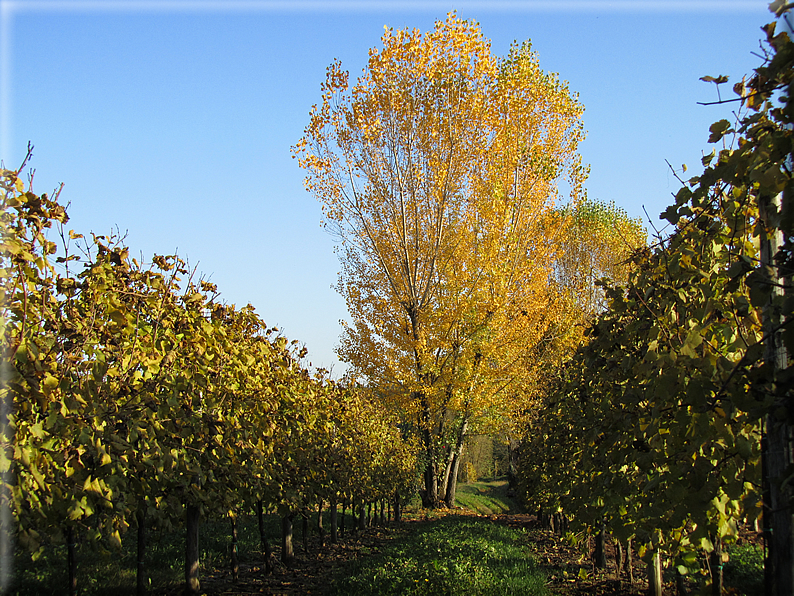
x=174, y=120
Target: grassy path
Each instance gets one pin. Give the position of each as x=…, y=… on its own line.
x=450, y=556
x=487, y=497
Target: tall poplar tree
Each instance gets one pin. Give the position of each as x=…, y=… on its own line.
x=440, y=170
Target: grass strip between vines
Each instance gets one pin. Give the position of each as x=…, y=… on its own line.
x=454, y=555
x=487, y=496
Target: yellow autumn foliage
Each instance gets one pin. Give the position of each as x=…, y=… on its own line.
x=442, y=170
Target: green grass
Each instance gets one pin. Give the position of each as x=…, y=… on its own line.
x=744, y=572
x=451, y=556
x=486, y=497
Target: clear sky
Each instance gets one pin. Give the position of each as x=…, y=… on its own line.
x=173, y=120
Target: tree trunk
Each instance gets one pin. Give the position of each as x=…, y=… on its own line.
x=287, y=554
x=305, y=531
x=430, y=492
x=263, y=538
x=362, y=517
x=716, y=568
x=344, y=506
x=442, y=488
x=777, y=455
x=320, y=529
x=397, y=510
x=680, y=584
x=140, y=572
x=234, y=559
x=618, y=559
x=71, y=560
x=655, y=575
x=512, y=465
x=629, y=561
x=334, y=529
x=600, y=555
x=452, y=484
x=192, y=585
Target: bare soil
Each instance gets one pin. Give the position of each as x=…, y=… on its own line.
x=309, y=573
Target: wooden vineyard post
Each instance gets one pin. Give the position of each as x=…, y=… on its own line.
x=655, y=575
x=777, y=442
x=287, y=553
x=320, y=528
x=629, y=561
